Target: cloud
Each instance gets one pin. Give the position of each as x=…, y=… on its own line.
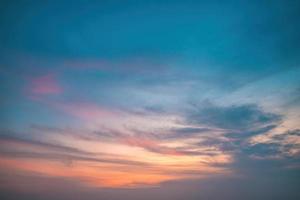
x=14, y=147
x=191, y=130
x=15, y=141
x=84, y=111
x=146, y=140
x=184, y=132
x=229, y=128
x=249, y=133
x=87, y=111
x=236, y=117
x=97, y=169
x=239, y=125
x=150, y=145
x=157, y=146
x=284, y=135
x=282, y=145
x=45, y=85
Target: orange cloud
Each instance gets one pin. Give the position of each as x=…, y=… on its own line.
x=149, y=144
x=131, y=167
x=89, y=173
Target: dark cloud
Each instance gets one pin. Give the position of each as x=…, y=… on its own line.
x=248, y=133
x=239, y=123
x=262, y=149
x=282, y=136
x=235, y=124
x=236, y=117
x=278, y=147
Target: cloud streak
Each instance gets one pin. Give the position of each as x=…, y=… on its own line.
x=45, y=85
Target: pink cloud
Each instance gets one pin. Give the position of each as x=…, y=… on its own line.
x=45, y=85
x=87, y=111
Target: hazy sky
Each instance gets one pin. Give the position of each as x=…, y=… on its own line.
x=166, y=100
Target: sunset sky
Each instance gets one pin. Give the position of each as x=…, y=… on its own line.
x=150, y=100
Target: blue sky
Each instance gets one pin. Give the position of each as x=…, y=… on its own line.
x=177, y=99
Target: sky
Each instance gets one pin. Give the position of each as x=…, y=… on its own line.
x=166, y=100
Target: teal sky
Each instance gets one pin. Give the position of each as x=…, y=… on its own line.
x=150, y=99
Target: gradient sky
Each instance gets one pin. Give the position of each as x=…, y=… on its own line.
x=166, y=100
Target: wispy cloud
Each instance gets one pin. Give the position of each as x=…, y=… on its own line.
x=56, y=160
x=44, y=85
x=87, y=111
